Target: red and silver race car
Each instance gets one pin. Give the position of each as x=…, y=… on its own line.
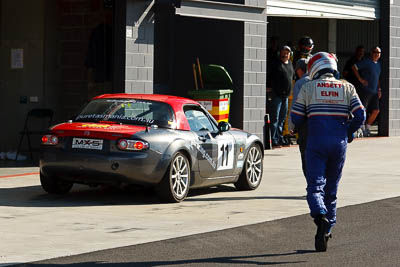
x=167, y=142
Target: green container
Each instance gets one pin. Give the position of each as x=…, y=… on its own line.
x=216, y=94
x=215, y=77
x=211, y=94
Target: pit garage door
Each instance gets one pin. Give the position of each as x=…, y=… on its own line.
x=337, y=9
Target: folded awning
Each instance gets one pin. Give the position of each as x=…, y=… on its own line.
x=219, y=10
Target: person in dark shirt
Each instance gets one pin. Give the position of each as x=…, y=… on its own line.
x=272, y=51
x=279, y=83
x=348, y=73
x=99, y=57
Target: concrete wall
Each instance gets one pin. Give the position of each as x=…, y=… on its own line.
x=390, y=42
x=255, y=73
x=22, y=26
x=254, y=93
x=139, y=48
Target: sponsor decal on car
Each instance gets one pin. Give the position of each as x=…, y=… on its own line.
x=113, y=117
x=84, y=143
x=206, y=156
x=95, y=126
x=239, y=164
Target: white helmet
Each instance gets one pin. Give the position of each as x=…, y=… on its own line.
x=322, y=61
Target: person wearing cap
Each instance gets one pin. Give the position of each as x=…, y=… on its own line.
x=301, y=71
x=279, y=83
x=333, y=112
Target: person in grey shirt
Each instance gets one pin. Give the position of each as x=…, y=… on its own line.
x=301, y=71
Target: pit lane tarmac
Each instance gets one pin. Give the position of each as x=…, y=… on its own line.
x=37, y=226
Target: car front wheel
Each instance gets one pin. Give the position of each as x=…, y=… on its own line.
x=175, y=185
x=54, y=186
x=251, y=176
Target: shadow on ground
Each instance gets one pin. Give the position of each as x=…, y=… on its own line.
x=34, y=196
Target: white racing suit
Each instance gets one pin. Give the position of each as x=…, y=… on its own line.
x=333, y=112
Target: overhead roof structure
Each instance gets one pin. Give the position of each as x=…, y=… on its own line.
x=338, y=9
x=220, y=10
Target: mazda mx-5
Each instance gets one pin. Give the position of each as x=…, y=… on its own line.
x=170, y=143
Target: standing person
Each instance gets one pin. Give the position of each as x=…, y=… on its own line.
x=301, y=71
x=279, y=83
x=328, y=104
x=99, y=55
x=348, y=73
x=304, y=49
x=272, y=51
x=367, y=72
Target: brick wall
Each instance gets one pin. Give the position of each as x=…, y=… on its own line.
x=390, y=79
x=394, y=73
x=255, y=54
x=139, y=48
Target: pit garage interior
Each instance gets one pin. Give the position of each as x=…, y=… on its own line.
x=44, y=46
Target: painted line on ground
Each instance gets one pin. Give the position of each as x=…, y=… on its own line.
x=18, y=175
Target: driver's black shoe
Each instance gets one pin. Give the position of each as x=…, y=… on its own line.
x=322, y=236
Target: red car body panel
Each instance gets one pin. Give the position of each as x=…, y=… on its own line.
x=96, y=130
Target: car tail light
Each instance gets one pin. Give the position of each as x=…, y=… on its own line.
x=49, y=139
x=125, y=144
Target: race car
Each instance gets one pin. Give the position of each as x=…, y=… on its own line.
x=170, y=143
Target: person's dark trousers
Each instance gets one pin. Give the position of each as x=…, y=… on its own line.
x=302, y=141
x=278, y=111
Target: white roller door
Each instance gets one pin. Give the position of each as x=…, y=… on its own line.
x=338, y=9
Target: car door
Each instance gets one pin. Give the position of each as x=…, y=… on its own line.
x=215, y=151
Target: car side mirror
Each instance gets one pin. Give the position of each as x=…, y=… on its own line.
x=224, y=126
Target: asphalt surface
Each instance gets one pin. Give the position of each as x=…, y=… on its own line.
x=214, y=226
x=366, y=235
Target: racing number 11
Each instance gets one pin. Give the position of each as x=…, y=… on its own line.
x=225, y=154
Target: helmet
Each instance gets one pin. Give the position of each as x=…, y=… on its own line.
x=320, y=63
x=306, y=45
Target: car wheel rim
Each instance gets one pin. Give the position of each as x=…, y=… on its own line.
x=180, y=176
x=254, y=166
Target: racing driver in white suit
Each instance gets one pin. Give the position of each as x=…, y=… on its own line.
x=333, y=112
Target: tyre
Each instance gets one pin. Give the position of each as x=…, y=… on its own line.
x=54, y=186
x=251, y=176
x=174, y=187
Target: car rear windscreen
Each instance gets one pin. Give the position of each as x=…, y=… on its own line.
x=128, y=111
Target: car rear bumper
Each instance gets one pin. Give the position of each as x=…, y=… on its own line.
x=142, y=168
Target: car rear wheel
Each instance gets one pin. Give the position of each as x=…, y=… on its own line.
x=54, y=186
x=175, y=185
x=251, y=176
